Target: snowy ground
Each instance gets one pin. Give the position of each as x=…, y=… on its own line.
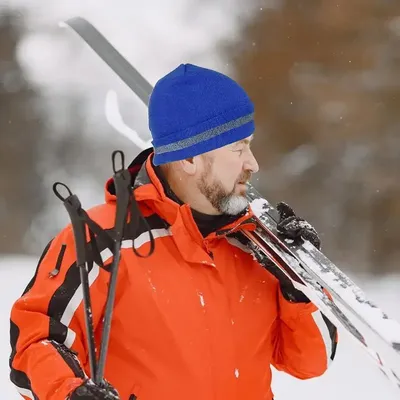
x=351, y=377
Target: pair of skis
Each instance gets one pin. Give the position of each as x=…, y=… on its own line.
x=307, y=268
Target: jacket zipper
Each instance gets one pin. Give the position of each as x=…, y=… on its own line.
x=60, y=258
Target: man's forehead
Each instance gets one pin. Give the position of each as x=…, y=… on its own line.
x=245, y=140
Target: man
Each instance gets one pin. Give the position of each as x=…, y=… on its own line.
x=198, y=319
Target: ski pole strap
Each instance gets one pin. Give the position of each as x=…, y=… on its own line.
x=73, y=206
x=136, y=218
x=95, y=228
x=79, y=220
x=123, y=189
x=126, y=203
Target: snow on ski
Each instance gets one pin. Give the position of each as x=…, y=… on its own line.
x=307, y=268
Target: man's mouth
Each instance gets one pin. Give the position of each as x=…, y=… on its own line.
x=245, y=179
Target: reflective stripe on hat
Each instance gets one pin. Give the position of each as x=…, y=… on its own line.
x=203, y=136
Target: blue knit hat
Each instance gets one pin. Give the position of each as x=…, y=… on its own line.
x=194, y=110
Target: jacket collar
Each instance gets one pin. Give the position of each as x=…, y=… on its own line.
x=151, y=197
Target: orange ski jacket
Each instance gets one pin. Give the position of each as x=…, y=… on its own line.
x=199, y=319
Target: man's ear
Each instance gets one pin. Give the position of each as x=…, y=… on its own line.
x=189, y=165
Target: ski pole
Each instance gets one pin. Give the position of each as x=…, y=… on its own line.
x=73, y=206
x=122, y=181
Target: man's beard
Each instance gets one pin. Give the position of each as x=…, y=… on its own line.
x=225, y=202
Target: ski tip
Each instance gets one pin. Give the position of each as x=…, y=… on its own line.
x=70, y=22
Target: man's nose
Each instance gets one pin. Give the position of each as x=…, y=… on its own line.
x=252, y=164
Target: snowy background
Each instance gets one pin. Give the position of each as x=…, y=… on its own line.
x=155, y=36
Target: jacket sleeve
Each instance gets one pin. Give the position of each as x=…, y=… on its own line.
x=47, y=333
x=304, y=340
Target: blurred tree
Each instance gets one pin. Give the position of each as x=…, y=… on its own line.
x=325, y=80
x=46, y=136
x=21, y=127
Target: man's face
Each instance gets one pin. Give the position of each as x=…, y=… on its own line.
x=224, y=174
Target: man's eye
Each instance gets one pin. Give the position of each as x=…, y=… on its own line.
x=239, y=151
